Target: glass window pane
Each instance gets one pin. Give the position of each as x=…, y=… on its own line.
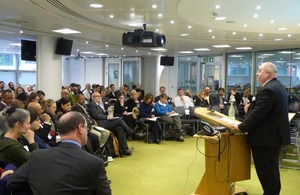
x=113, y=74
x=26, y=65
x=187, y=77
x=8, y=76
x=131, y=72
x=7, y=61
x=211, y=73
x=27, y=78
x=239, y=70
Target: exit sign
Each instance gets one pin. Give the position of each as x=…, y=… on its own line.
x=208, y=59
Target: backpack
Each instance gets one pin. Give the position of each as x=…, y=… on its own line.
x=112, y=146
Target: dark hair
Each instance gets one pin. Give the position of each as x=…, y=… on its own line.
x=14, y=115
x=148, y=96
x=33, y=115
x=111, y=85
x=40, y=92
x=163, y=96
x=221, y=89
x=5, y=91
x=69, y=122
x=29, y=99
x=133, y=87
x=64, y=101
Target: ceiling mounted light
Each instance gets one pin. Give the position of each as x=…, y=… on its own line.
x=277, y=39
x=160, y=15
x=255, y=16
x=184, y=34
x=202, y=49
x=271, y=21
x=234, y=33
x=243, y=48
x=282, y=28
x=220, y=18
x=66, y=31
x=221, y=46
x=261, y=34
x=111, y=16
x=185, y=52
x=96, y=5
x=154, y=6
x=217, y=6
x=258, y=7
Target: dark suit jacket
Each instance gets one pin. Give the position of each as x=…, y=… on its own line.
x=2, y=106
x=63, y=170
x=267, y=121
x=96, y=112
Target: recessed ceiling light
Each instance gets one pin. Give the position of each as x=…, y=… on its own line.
x=154, y=6
x=15, y=44
x=87, y=52
x=220, y=18
x=213, y=37
x=210, y=30
x=244, y=38
x=286, y=52
x=245, y=25
x=106, y=45
x=236, y=56
x=158, y=49
x=289, y=35
x=255, y=16
x=243, y=48
x=258, y=7
x=189, y=26
x=234, y=33
x=134, y=25
x=271, y=21
x=149, y=53
x=111, y=16
x=66, y=31
x=21, y=31
x=268, y=54
x=184, y=34
x=172, y=22
x=101, y=54
x=136, y=51
x=277, y=39
x=202, y=49
x=282, y=28
x=217, y=6
x=298, y=24
x=122, y=48
x=221, y=46
x=185, y=52
x=160, y=15
x=261, y=34
x=156, y=30
x=96, y=5
x=86, y=42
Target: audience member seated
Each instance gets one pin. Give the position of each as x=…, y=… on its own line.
x=189, y=94
x=112, y=95
x=162, y=91
x=21, y=94
x=12, y=151
x=201, y=100
x=5, y=173
x=7, y=98
x=217, y=101
x=182, y=100
x=101, y=133
x=133, y=101
x=87, y=92
x=65, y=169
x=116, y=125
x=65, y=93
x=126, y=92
x=33, y=97
x=146, y=112
x=63, y=107
x=41, y=95
x=121, y=110
x=47, y=131
x=163, y=110
x=245, y=100
x=35, y=123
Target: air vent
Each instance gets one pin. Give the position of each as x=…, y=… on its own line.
x=14, y=21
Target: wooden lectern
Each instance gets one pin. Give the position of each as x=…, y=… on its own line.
x=227, y=158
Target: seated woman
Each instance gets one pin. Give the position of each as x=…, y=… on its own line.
x=146, y=108
x=201, y=100
x=33, y=97
x=163, y=110
x=35, y=123
x=121, y=110
x=11, y=148
x=63, y=107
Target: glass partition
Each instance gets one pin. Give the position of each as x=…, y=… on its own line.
x=239, y=71
x=131, y=71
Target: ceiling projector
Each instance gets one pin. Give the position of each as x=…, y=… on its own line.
x=143, y=38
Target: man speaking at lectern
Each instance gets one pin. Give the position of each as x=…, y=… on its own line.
x=267, y=125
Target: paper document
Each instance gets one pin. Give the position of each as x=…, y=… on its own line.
x=153, y=119
x=230, y=121
x=98, y=128
x=174, y=114
x=127, y=113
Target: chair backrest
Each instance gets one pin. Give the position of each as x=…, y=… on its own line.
x=180, y=110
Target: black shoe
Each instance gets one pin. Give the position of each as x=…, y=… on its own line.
x=179, y=138
x=126, y=152
x=138, y=136
x=105, y=163
x=157, y=141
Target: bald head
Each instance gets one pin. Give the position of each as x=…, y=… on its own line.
x=35, y=106
x=64, y=93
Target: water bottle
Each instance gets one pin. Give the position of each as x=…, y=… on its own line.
x=231, y=111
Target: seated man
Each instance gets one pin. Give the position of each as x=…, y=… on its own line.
x=66, y=169
x=217, y=101
x=182, y=100
x=116, y=125
x=102, y=134
x=163, y=110
x=162, y=90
